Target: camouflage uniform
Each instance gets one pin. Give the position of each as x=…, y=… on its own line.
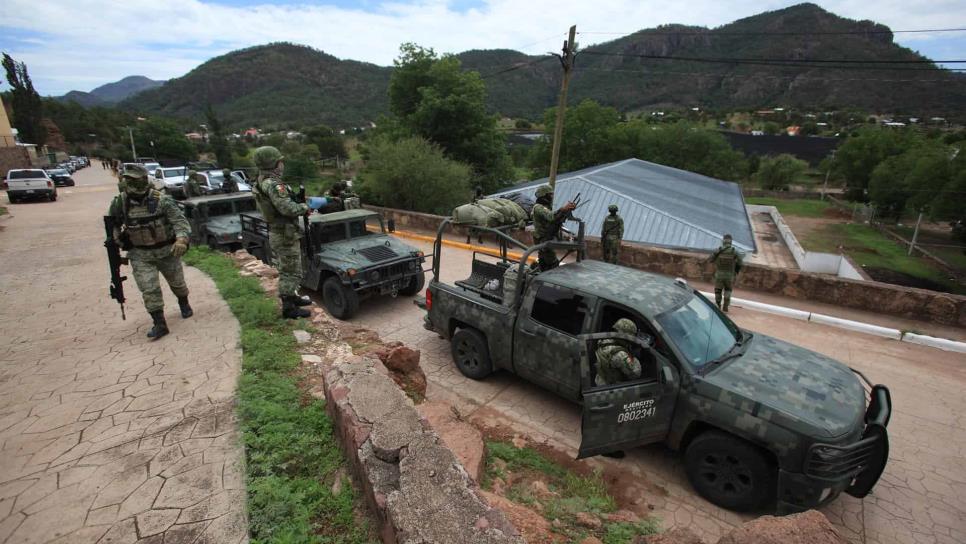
x=192, y=187
x=611, y=234
x=615, y=364
x=546, y=225
x=155, y=233
x=727, y=263
x=282, y=213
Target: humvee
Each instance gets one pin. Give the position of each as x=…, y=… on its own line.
x=215, y=219
x=763, y=424
x=347, y=257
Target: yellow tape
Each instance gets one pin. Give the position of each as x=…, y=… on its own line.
x=460, y=245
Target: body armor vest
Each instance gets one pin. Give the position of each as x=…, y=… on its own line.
x=144, y=224
x=726, y=260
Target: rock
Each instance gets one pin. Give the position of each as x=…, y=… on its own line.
x=539, y=489
x=530, y=524
x=402, y=359
x=589, y=521
x=591, y=540
x=309, y=358
x=464, y=439
x=498, y=486
x=302, y=337
x=623, y=516
x=519, y=442
x=811, y=527
x=678, y=535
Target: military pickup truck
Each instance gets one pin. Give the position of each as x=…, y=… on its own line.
x=762, y=424
x=215, y=219
x=347, y=257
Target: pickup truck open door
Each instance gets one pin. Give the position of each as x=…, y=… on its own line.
x=628, y=414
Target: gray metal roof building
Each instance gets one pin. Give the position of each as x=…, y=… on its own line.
x=661, y=206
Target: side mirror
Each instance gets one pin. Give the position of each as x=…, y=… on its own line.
x=666, y=376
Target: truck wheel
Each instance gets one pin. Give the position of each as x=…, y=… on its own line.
x=212, y=243
x=471, y=354
x=416, y=284
x=730, y=472
x=52, y=196
x=341, y=301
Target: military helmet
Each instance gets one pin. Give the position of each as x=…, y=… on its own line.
x=135, y=178
x=543, y=191
x=612, y=208
x=626, y=326
x=727, y=239
x=267, y=157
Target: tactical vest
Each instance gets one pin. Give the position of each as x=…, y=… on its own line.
x=264, y=201
x=542, y=228
x=145, y=224
x=727, y=258
x=611, y=227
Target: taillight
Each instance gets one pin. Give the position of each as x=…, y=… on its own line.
x=429, y=300
x=50, y=184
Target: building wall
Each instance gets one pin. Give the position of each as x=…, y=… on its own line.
x=6, y=132
x=12, y=158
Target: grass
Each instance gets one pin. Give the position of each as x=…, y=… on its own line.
x=291, y=454
x=3, y=210
x=571, y=494
x=801, y=207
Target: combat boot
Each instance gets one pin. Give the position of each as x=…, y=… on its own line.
x=724, y=307
x=186, y=310
x=160, y=327
x=291, y=310
x=301, y=300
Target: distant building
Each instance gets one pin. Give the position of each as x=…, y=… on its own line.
x=793, y=130
x=252, y=132
x=194, y=137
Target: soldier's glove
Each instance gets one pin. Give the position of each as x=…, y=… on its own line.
x=180, y=247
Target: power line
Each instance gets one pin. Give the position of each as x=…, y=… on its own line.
x=516, y=67
x=766, y=76
x=712, y=33
x=777, y=62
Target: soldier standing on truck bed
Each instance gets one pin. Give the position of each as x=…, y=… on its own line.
x=280, y=210
x=546, y=225
x=192, y=187
x=727, y=263
x=611, y=234
x=154, y=231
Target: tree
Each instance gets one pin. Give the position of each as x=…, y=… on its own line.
x=588, y=138
x=413, y=174
x=771, y=128
x=522, y=124
x=329, y=143
x=859, y=155
x=216, y=137
x=28, y=111
x=163, y=139
x=432, y=97
x=777, y=173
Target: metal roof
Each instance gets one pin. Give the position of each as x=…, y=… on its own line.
x=661, y=206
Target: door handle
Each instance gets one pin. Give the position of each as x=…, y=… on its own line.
x=601, y=407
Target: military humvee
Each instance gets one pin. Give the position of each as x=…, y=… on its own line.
x=347, y=257
x=762, y=423
x=215, y=219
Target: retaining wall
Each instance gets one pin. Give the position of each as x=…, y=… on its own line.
x=907, y=302
x=12, y=158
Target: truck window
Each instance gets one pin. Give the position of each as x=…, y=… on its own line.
x=26, y=174
x=247, y=205
x=364, y=227
x=559, y=310
x=698, y=332
x=219, y=208
x=331, y=233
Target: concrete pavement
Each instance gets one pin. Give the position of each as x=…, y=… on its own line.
x=921, y=497
x=105, y=436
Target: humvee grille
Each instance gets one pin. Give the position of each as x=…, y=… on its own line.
x=378, y=253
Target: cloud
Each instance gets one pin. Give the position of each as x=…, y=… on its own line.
x=70, y=44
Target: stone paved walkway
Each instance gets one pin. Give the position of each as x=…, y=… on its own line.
x=107, y=437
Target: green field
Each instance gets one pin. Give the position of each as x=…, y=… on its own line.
x=801, y=207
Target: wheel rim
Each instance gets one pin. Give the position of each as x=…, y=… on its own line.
x=334, y=298
x=727, y=474
x=468, y=355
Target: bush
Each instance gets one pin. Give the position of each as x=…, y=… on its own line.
x=777, y=173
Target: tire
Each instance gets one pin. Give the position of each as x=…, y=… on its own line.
x=13, y=199
x=212, y=243
x=416, y=284
x=340, y=301
x=471, y=354
x=52, y=196
x=730, y=472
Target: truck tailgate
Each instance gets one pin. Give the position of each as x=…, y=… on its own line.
x=27, y=184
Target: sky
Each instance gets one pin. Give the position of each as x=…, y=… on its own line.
x=81, y=44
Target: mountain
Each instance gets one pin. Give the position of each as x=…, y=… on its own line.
x=291, y=85
x=111, y=93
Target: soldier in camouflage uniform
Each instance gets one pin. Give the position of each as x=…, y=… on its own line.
x=611, y=234
x=615, y=363
x=727, y=263
x=546, y=225
x=281, y=212
x=155, y=234
x=192, y=187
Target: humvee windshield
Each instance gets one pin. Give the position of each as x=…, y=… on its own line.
x=365, y=227
x=698, y=331
x=230, y=208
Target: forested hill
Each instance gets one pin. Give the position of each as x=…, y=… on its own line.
x=280, y=84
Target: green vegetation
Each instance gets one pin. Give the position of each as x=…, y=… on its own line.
x=778, y=173
x=291, y=454
x=218, y=140
x=569, y=494
x=28, y=109
x=796, y=207
x=3, y=210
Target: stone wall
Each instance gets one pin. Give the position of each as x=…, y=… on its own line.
x=12, y=158
x=907, y=302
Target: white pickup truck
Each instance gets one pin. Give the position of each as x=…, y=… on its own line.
x=28, y=184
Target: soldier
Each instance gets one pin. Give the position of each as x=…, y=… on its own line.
x=192, y=187
x=280, y=210
x=155, y=234
x=727, y=263
x=547, y=223
x=614, y=360
x=611, y=234
x=334, y=197
x=229, y=185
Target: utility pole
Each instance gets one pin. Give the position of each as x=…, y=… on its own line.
x=567, y=61
x=134, y=154
x=915, y=234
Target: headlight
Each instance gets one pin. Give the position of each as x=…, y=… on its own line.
x=374, y=275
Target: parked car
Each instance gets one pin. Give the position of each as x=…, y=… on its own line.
x=171, y=180
x=29, y=184
x=61, y=177
x=215, y=181
x=67, y=165
x=151, y=166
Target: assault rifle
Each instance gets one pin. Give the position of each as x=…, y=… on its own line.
x=300, y=197
x=562, y=216
x=115, y=261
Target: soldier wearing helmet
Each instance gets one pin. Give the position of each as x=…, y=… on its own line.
x=727, y=263
x=155, y=234
x=611, y=234
x=277, y=203
x=547, y=223
x=192, y=187
x=614, y=360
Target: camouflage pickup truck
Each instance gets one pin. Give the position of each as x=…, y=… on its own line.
x=347, y=257
x=762, y=424
x=215, y=220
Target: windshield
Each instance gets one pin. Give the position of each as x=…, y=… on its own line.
x=365, y=227
x=151, y=166
x=215, y=178
x=57, y=172
x=698, y=332
x=173, y=172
